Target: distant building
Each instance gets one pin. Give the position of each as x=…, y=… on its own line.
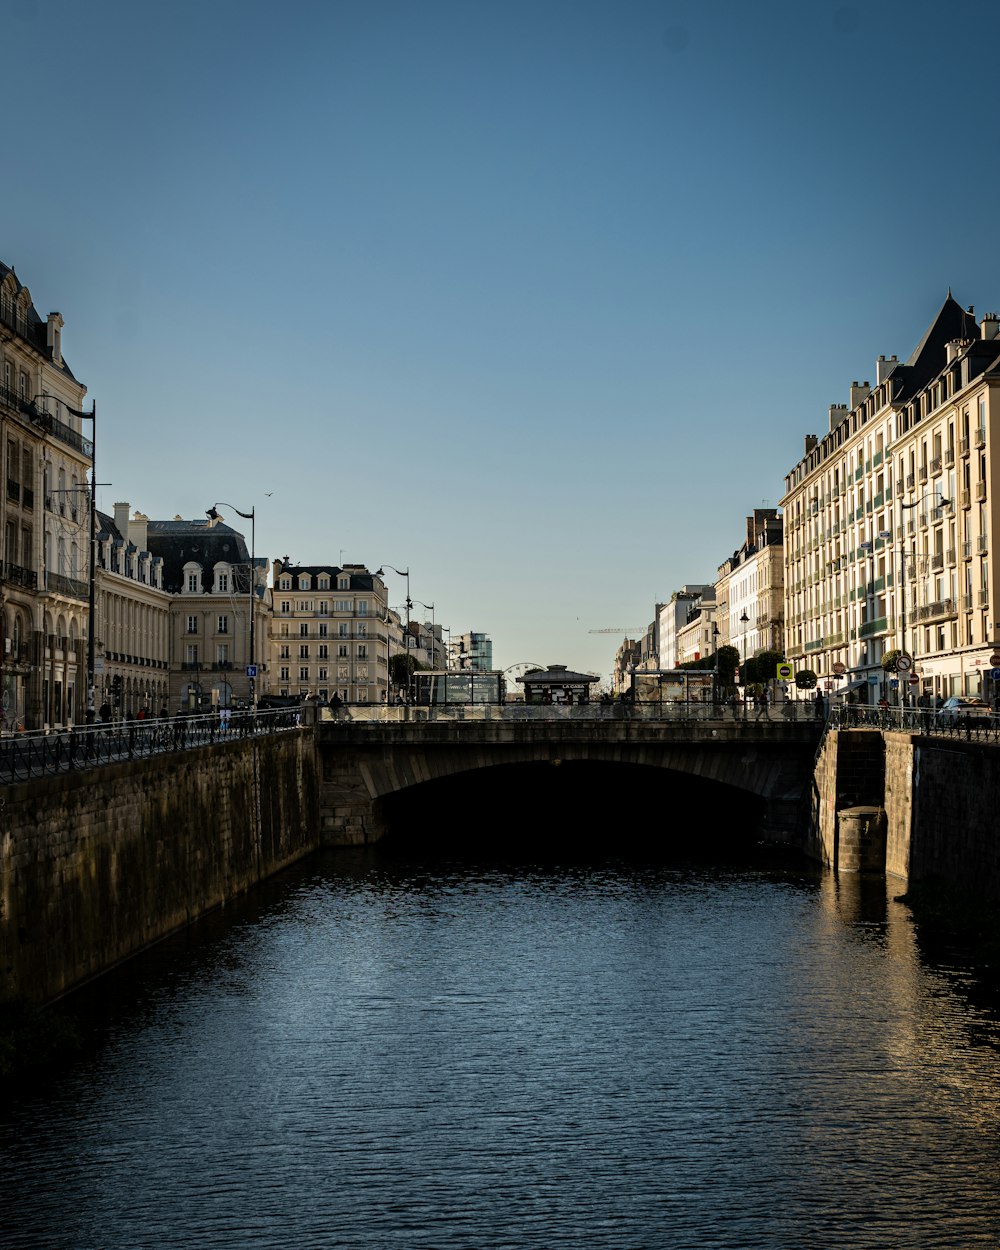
x=685, y=604
x=473, y=651
x=206, y=570
x=330, y=632
x=750, y=589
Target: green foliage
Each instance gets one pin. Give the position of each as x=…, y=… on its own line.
x=402, y=666
x=805, y=679
x=728, y=661
x=889, y=660
x=763, y=667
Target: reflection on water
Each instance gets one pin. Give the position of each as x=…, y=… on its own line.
x=377, y=1051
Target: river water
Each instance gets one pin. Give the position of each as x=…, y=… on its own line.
x=377, y=1051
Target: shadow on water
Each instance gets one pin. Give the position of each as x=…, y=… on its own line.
x=572, y=809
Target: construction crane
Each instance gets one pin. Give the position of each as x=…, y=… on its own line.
x=618, y=629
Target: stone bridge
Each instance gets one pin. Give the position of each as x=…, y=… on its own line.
x=363, y=764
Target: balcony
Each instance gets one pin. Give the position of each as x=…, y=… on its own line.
x=923, y=474
x=937, y=561
x=949, y=457
x=981, y=436
x=935, y=466
x=967, y=550
x=870, y=628
x=950, y=557
x=940, y=609
x=965, y=499
x=71, y=587
x=910, y=481
x=980, y=490
x=982, y=544
x=984, y=598
x=190, y=666
x=15, y=575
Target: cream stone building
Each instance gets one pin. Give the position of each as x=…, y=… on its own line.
x=891, y=525
x=132, y=618
x=47, y=448
x=750, y=589
x=329, y=632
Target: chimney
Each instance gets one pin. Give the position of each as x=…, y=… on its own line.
x=883, y=367
x=859, y=393
x=990, y=325
x=121, y=519
x=53, y=336
x=137, y=531
x=838, y=413
x=811, y=441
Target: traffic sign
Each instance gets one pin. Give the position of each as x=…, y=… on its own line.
x=784, y=672
x=904, y=662
x=893, y=683
x=839, y=668
x=995, y=659
x=873, y=680
x=914, y=680
x=995, y=674
x=251, y=670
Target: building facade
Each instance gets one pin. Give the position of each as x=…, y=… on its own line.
x=45, y=581
x=330, y=633
x=131, y=620
x=218, y=612
x=890, y=522
x=473, y=651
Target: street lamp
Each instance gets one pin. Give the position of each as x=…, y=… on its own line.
x=945, y=503
x=430, y=608
x=744, y=621
x=83, y=447
x=250, y=516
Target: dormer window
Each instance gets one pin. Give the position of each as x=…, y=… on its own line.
x=323, y=583
x=305, y=582
x=191, y=578
x=343, y=583
x=285, y=583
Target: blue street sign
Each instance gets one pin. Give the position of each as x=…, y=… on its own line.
x=251, y=670
x=873, y=680
x=893, y=683
x=995, y=674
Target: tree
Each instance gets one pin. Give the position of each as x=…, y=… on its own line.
x=402, y=666
x=805, y=679
x=727, y=661
x=763, y=667
x=890, y=660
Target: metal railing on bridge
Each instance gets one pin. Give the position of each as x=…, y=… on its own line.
x=663, y=713
x=46, y=753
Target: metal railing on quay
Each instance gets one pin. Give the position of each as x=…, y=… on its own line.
x=918, y=720
x=45, y=753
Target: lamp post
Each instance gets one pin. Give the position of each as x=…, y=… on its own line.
x=430, y=608
x=86, y=416
x=908, y=507
x=409, y=605
x=744, y=621
x=250, y=516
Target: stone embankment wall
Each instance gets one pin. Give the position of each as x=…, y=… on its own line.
x=940, y=796
x=95, y=866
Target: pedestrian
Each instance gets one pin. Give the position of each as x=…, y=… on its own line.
x=820, y=706
x=761, y=705
x=105, y=711
x=164, y=713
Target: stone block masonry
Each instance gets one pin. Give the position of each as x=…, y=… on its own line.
x=97, y=865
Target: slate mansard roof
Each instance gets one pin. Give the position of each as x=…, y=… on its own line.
x=200, y=542
x=37, y=331
x=361, y=579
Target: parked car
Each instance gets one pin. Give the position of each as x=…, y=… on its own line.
x=961, y=707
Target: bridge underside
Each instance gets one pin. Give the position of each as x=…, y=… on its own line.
x=758, y=780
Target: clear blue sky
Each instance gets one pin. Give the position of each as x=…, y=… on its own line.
x=538, y=299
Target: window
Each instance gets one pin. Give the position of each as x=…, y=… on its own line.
x=286, y=607
x=223, y=627
x=223, y=583
x=191, y=652
x=324, y=606
x=342, y=651
x=343, y=583
x=322, y=675
x=323, y=583
x=304, y=629
x=305, y=582
x=343, y=630
x=192, y=583
x=304, y=651
x=363, y=652
x=285, y=583
x=285, y=653
x=222, y=654
x=362, y=630
x=362, y=607
x=283, y=674
x=303, y=674
x=324, y=651
x=342, y=605
x=324, y=630
x=192, y=627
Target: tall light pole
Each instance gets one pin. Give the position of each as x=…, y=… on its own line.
x=250, y=516
x=945, y=503
x=409, y=605
x=430, y=608
x=744, y=621
x=92, y=565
